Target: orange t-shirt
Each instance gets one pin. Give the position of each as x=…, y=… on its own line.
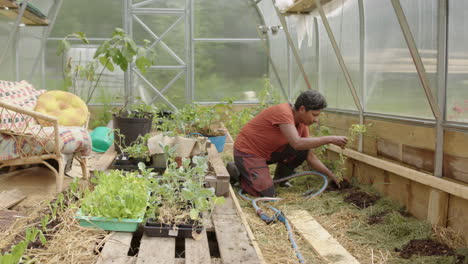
x=262, y=135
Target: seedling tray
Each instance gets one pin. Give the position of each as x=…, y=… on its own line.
x=155, y=229
x=110, y=224
x=130, y=164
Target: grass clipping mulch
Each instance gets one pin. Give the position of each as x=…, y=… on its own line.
x=349, y=225
x=70, y=243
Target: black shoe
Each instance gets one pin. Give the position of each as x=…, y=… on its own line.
x=233, y=172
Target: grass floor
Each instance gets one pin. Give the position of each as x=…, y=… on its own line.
x=369, y=243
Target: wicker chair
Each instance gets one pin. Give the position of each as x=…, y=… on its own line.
x=24, y=141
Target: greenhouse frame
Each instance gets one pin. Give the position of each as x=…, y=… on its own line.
x=397, y=68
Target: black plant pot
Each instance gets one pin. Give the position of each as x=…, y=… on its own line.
x=156, y=229
x=131, y=128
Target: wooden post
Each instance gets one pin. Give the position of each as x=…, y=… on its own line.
x=438, y=208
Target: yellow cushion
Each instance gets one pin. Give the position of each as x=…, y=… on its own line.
x=67, y=107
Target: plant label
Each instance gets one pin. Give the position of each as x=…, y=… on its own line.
x=173, y=232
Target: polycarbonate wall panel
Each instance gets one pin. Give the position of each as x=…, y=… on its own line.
x=344, y=22
x=457, y=77
x=226, y=70
x=278, y=46
x=225, y=19
x=392, y=83
x=308, y=55
x=96, y=19
x=7, y=69
x=159, y=3
x=422, y=19
x=29, y=50
x=111, y=84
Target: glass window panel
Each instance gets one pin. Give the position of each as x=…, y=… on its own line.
x=392, y=83
x=96, y=19
x=159, y=79
x=225, y=19
x=229, y=70
x=171, y=48
x=457, y=77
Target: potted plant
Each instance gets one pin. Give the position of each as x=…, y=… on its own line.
x=118, y=51
x=118, y=201
x=199, y=120
x=179, y=200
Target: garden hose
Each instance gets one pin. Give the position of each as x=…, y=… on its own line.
x=279, y=215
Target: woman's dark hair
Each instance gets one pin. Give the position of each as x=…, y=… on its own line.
x=311, y=100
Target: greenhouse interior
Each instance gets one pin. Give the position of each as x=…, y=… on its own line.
x=246, y=131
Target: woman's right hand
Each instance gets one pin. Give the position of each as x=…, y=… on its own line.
x=340, y=141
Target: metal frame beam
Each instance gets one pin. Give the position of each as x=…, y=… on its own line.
x=416, y=58
x=344, y=69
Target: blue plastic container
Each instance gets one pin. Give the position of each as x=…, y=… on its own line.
x=102, y=138
x=218, y=142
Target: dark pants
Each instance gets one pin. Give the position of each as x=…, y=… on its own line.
x=255, y=176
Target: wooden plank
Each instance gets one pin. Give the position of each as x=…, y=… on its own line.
x=11, y=198
x=8, y=217
x=234, y=244
x=437, y=209
x=454, y=188
x=157, y=250
x=197, y=251
x=222, y=175
x=420, y=158
x=304, y=6
x=322, y=242
x=105, y=160
x=6, y=3
x=457, y=215
x=27, y=19
x=246, y=225
x=456, y=167
x=116, y=248
x=225, y=209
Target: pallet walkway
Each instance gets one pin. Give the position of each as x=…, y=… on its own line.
x=225, y=240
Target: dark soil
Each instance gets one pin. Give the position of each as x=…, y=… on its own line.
x=377, y=218
x=428, y=247
x=361, y=199
x=405, y=213
x=344, y=185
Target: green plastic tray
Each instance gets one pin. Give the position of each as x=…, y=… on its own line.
x=110, y=224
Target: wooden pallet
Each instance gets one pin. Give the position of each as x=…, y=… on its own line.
x=225, y=240
x=219, y=181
